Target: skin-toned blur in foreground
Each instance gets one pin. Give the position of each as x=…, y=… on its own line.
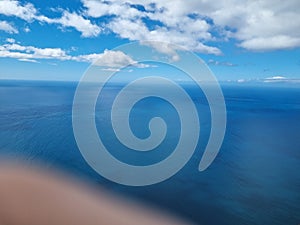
x=39, y=197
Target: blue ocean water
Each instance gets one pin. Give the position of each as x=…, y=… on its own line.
x=255, y=179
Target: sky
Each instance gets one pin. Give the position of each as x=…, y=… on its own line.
x=239, y=40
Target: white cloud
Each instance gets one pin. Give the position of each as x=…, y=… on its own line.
x=197, y=25
x=10, y=40
x=271, y=43
x=165, y=48
x=74, y=20
x=128, y=22
x=78, y=22
x=255, y=25
x=29, y=13
x=111, y=69
x=98, y=9
x=220, y=63
x=28, y=60
x=280, y=79
x=276, y=78
x=262, y=25
x=110, y=60
x=15, y=8
x=5, y=26
x=13, y=50
x=27, y=29
x=138, y=31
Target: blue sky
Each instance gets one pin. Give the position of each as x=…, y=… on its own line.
x=239, y=40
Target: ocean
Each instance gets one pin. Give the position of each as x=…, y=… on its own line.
x=255, y=178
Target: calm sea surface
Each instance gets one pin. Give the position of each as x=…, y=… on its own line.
x=254, y=180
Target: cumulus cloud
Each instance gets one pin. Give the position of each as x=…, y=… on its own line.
x=76, y=21
x=130, y=23
x=10, y=40
x=261, y=25
x=13, y=50
x=197, y=25
x=8, y=28
x=27, y=29
x=15, y=8
x=79, y=23
x=103, y=8
x=29, y=13
x=164, y=47
x=138, y=31
x=271, y=43
x=111, y=60
x=108, y=58
x=255, y=25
